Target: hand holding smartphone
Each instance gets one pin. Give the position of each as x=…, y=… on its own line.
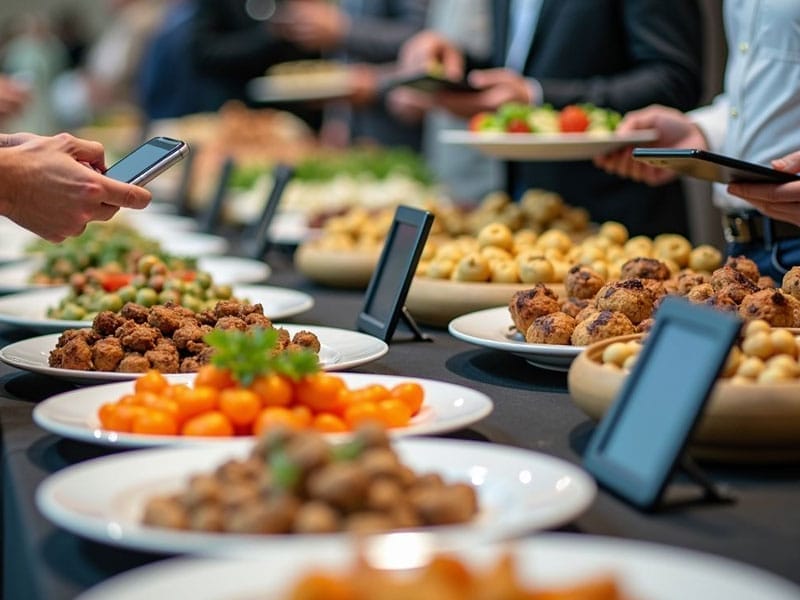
x=710, y=166
x=148, y=161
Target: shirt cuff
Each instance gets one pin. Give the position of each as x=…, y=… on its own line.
x=535, y=92
x=713, y=122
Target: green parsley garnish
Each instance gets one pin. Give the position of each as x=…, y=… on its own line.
x=248, y=354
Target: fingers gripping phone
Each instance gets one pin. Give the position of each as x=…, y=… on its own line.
x=148, y=161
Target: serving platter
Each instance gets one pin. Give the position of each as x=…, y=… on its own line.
x=749, y=423
x=546, y=146
x=350, y=269
x=518, y=491
x=493, y=328
x=225, y=270
x=340, y=349
x=447, y=407
x=300, y=87
x=29, y=309
x=641, y=569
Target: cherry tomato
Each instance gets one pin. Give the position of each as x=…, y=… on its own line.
x=320, y=391
x=274, y=416
x=328, y=423
x=518, y=125
x=209, y=424
x=153, y=421
x=393, y=413
x=240, y=405
x=573, y=119
x=196, y=401
x=479, y=121
x=111, y=282
x=215, y=377
x=410, y=393
x=273, y=390
x=152, y=381
x=360, y=413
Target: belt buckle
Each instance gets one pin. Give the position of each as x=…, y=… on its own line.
x=737, y=229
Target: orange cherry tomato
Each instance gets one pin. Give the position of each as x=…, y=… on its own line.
x=152, y=381
x=320, y=391
x=195, y=401
x=321, y=585
x=393, y=413
x=273, y=390
x=154, y=422
x=573, y=119
x=175, y=391
x=106, y=414
x=360, y=413
x=240, y=405
x=328, y=423
x=208, y=424
x=121, y=418
x=215, y=377
x=303, y=415
x=409, y=393
x=274, y=416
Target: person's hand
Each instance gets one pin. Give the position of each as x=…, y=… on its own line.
x=13, y=96
x=495, y=88
x=54, y=186
x=363, y=79
x=779, y=201
x=312, y=25
x=429, y=51
x=674, y=130
x=408, y=105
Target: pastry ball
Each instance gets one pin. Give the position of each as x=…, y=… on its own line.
x=722, y=301
x=791, y=282
x=687, y=279
x=727, y=277
x=555, y=328
x=601, y=326
x=629, y=296
x=773, y=306
x=700, y=293
x=765, y=282
x=745, y=266
x=583, y=282
x=573, y=306
x=645, y=268
x=527, y=305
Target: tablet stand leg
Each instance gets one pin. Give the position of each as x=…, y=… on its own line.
x=712, y=491
x=413, y=327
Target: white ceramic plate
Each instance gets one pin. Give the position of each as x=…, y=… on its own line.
x=341, y=349
x=492, y=328
x=13, y=240
x=186, y=243
x=103, y=499
x=545, y=146
x=73, y=414
x=643, y=570
x=29, y=309
x=14, y=277
x=299, y=87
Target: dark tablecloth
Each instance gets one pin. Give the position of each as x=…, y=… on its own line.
x=532, y=410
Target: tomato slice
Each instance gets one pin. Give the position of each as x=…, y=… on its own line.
x=573, y=119
x=111, y=282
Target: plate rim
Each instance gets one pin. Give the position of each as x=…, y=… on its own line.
x=463, y=136
x=480, y=405
x=99, y=524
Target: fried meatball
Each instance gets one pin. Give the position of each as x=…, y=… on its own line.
x=527, y=305
x=139, y=338
x=555, y=328
x=135, y=312
x=231, y=322
x=107, y=354
x=773, y=306
x=645, y=268
x=284, y=339
x=745, y=266
x=687, y=279
x=603, y=325
x=628, y=296
x=583, y=282
x=189, y=333
x=258, y=320
x=573, y=306
x=165, y=318
x=133, y=362
x=190, y=364
x=791, y=282
x=306, y=339
x=86, y=334
x=75, y=353
x=107, y=322
x=164, y=358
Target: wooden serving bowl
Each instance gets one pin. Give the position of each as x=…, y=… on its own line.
x=350, y=269
x=742, y=423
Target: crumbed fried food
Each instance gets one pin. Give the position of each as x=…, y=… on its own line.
x=139, y=338
x=75, y=353
x=190, y=364
x=583, y=282
x=735, y=292
x=645, y=325
x=107, y=354
x=165, y=318
x=745, y=266
x=645, y=268
x=306, y=339
x=589, y=311
x=628, y=296
x=527, y=305
x=722, y=301
x=700, y=293
x=135, y=312
x=736, y=284
x=107, y=322
x=88, y=335
x=687, y=279
x=555, y=328
x=189, y=332
x=773, y=306
x=231, y=322
x=791, y=282
x=603, y=325
x=258, y=320
x=164, y=358
x=133, y=362
x=284, y=339
x=656, y=288
x=573, y=306
x=765, y=282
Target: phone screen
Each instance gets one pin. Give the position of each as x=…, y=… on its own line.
x=152, y=153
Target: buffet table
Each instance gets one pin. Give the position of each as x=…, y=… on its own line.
x=532, y=410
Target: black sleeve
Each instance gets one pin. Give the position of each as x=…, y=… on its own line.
x=378, y=39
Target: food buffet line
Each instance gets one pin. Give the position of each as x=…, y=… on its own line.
x=498, y=400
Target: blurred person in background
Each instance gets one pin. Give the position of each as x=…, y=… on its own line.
x=13, y=98
x=53, y=186
x=368, y=35
x=617, y=54
x=756, y=118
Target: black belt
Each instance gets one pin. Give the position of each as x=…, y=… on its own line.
x=751, y=227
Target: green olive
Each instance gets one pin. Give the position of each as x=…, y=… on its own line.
x=222, y=292
x=203, y=279
x=146, y=297
x=169, y=296
x=72, y=312
x=146, y=263
x=127, y=293
x=139, y=281
x=173, y=283
x=193, y=303
x=193, y=289
x=156, y=282
x=112, y=302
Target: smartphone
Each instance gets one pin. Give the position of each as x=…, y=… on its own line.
x=425, y=82
x=710, y=166
x=148, y=161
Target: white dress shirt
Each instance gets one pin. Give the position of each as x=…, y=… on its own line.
x=757, y=117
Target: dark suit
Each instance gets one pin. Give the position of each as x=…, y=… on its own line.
x=620, y=54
